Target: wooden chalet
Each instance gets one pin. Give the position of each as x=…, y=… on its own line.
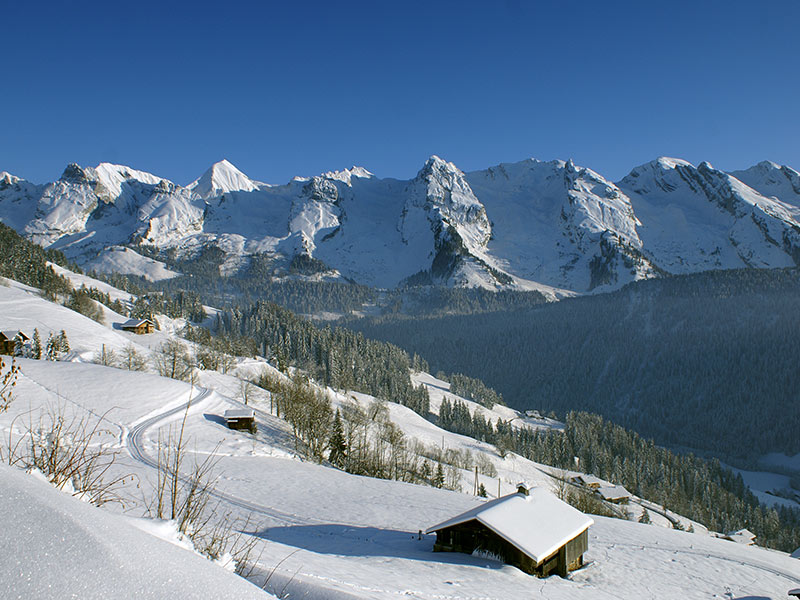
x=10, y=339
x=139, y=326
x=241, y=418
x=531, y=530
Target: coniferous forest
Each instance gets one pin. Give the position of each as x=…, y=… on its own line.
x=706, y=361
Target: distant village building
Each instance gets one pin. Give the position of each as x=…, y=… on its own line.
x=241, y=418
x=615, y=494
x=139, y=326
x=742, y=536
x=9, y=340
x=533, y=414
x=589, y=481
x=531, y=529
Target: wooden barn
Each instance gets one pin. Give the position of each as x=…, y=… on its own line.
x=9, y=340
x=139, y=326
x=241, y=418
x=531, y=530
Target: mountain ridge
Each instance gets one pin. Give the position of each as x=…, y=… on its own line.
x=550, y=226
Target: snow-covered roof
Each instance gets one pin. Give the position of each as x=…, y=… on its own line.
x=613, y=492
x=742, y=536
x=591, y=480
x=10, y=335
x=135, y=322
x=538, y=524
x=240, y=413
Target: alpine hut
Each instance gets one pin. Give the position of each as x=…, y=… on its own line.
x=742, y=536
x=531, y=529
x=241, y=418
x=139, y=326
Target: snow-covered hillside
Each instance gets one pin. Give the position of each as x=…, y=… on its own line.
x=319, y=532
x=550, y=226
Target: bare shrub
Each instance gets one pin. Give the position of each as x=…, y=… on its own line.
x=8, y=379
x=70, y=453
x=173, y=360
x=132, y=360
x=186, y=496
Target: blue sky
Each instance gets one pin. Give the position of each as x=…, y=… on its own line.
x=297, y=88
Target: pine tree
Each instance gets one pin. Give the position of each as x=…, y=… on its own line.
x=337, y=443
x=62, y=342
x=482, y=491
x=36, y=345
x=438, y=478
x=645, y=517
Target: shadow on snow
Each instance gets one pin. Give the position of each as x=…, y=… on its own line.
x=348, y=540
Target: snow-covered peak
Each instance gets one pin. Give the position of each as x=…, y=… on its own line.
x=772, y=180
x=112, y=177
x=221, y=178
x=435, y=165
x=75, y=174
x=7, y=179
x=346, y=175
x=644, y=177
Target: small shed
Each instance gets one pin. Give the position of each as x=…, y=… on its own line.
x=241, y=418
x=139, y=326
x=9, y=340
x=531, y=529
x=616, y=494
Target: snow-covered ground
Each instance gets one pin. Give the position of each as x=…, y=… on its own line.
x=321, y=533
x=55, y=546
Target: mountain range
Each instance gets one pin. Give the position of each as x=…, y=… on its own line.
x=549, y=226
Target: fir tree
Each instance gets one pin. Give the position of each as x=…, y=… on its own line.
x=36, y=345
x=337, y=443
x=438, y=478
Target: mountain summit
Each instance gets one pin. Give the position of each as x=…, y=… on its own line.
x=222, y=177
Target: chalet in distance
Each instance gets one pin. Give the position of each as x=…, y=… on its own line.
x=531, y=529
x=138, y=326
x=742, y=536
x=10, y=339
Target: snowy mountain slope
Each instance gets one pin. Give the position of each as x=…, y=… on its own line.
x=121, y=259
x=772, y=180
x=349, y=535
x=697, y=218
x=562, y=225
x=551, y=226
x=323, y=533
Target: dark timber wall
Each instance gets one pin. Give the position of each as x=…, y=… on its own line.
x=473, y=535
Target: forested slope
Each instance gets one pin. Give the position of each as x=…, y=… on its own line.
x=707, y=361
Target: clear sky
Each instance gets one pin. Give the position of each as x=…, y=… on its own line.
x=296, y=88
